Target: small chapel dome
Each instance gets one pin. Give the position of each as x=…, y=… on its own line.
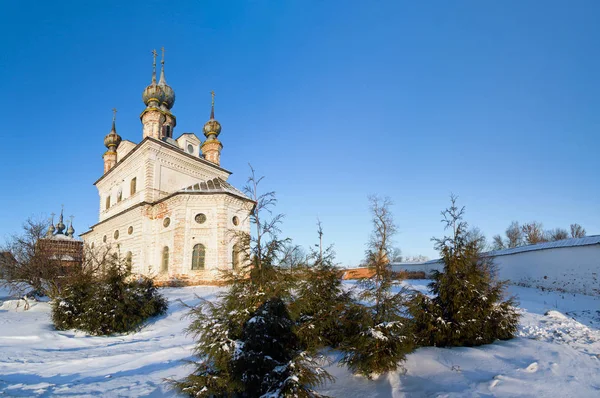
x=112, y=139
x=212, y=127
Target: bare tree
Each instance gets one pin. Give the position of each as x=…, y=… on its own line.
x=577, y=231
x=396, y=255
x=476, y=236
x=419, y=258
x=292, y=256
x=533, y=233
x=514, y=235
x=378, y=255
x=29, y=267
x=264, y=246
x=497, y=243
x=557, y=234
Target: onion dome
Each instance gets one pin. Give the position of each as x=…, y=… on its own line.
x=51, y=228
x=169, y=94
x=60, y=227
x=212, y=127
x=71, y=230
x=154, y=92
x=112, y=140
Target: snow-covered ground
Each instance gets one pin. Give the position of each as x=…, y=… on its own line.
x=557, y=354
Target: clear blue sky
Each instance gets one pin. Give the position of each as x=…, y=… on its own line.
x=495, y=101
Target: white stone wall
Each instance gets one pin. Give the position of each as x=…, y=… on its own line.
x=150, y=236
x=573, y=269
x=159, y=171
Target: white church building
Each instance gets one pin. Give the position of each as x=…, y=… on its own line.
x=165, y=203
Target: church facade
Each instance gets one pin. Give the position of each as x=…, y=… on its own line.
x=165, y=203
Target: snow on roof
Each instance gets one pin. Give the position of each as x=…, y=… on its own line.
x=572, y=242
x=585, y=241
x=408, y=263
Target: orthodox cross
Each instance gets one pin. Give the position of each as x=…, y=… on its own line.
x=154, y=54
x=212, y=93
x=162, y=49
x=114, y=114
x=52, y=215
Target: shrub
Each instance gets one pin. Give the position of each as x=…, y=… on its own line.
x=107, y=302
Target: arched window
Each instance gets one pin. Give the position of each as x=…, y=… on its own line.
x=132, y=186
x=129, y=260
x=198, y=256
x=235, y=256
x=165, y=260
x=107, y=202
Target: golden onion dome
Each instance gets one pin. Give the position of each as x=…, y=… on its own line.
x=153, y=93
x=169, y=95
x=212, y=127
x=112, y=139
x=169, y=98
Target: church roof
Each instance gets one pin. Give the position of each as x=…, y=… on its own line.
x=216, y=185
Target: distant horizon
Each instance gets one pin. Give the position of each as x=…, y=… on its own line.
x=496, y=104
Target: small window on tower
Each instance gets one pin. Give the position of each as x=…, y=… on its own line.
x=107, y=202
x=119, y=195
x=132, y=186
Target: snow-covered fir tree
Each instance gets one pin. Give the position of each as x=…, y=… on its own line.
x=468, y=307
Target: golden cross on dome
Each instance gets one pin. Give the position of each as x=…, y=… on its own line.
x=162, y=49
x=154, y=54
x=114, y=114
x=212, y=93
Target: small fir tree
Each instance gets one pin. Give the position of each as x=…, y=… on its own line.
x=468, y=306
x=320, y=302
x=383, y=336
x=269, y=359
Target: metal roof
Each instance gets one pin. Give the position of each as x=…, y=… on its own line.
x=585, y=241
x=215, y=185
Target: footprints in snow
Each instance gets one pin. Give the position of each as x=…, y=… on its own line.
x=532, y=368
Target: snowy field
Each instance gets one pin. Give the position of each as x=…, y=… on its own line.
x=555, y=355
